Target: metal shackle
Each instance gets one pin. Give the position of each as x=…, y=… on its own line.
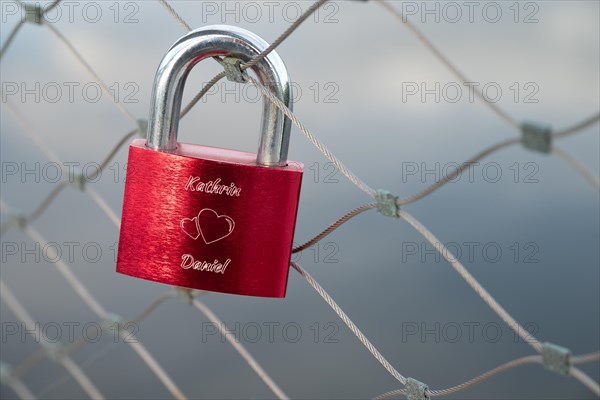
x=211, y=41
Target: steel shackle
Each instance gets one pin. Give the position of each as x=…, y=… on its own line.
x=210, y=41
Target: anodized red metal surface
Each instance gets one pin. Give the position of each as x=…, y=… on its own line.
x=208, y=218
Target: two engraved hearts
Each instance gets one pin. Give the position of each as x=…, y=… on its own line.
x=208, y=224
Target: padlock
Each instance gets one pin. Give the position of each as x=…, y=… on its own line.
x=204, y=217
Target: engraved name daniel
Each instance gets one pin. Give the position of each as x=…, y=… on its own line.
x=187, y=262
x=195, y=184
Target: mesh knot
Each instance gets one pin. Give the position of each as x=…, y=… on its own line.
x=54, y=351
x=233, y=70
x=112, y=318
x=387, y=204
x=536, y=137
x=556, y=358
x=184, y=294
x=77, y=178
x=19, y=220
x=34, y=13
x=416, y=390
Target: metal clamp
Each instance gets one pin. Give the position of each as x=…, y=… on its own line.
x=20, y=220
x=556, y=358
x=54, y=351
x=34, y=13
x=387, y=204
x=185, y=295
x=416, y=390
x=536, y=137
x=78, y=179
x=233, y=70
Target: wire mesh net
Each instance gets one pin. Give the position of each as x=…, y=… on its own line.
x=14, y=375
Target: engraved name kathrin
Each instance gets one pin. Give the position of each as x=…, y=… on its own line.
x=195, y=184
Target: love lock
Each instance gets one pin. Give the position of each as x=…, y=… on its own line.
x=204, y=217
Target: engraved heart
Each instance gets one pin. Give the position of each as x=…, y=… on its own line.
x=214, y=227
x=189, y=226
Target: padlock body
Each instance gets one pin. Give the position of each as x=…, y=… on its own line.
x=208, y=218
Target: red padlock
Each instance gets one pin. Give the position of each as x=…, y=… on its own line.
x=204, y=217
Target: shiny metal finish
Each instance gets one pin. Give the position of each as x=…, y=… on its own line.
x=208, y=218
x=210, y=41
